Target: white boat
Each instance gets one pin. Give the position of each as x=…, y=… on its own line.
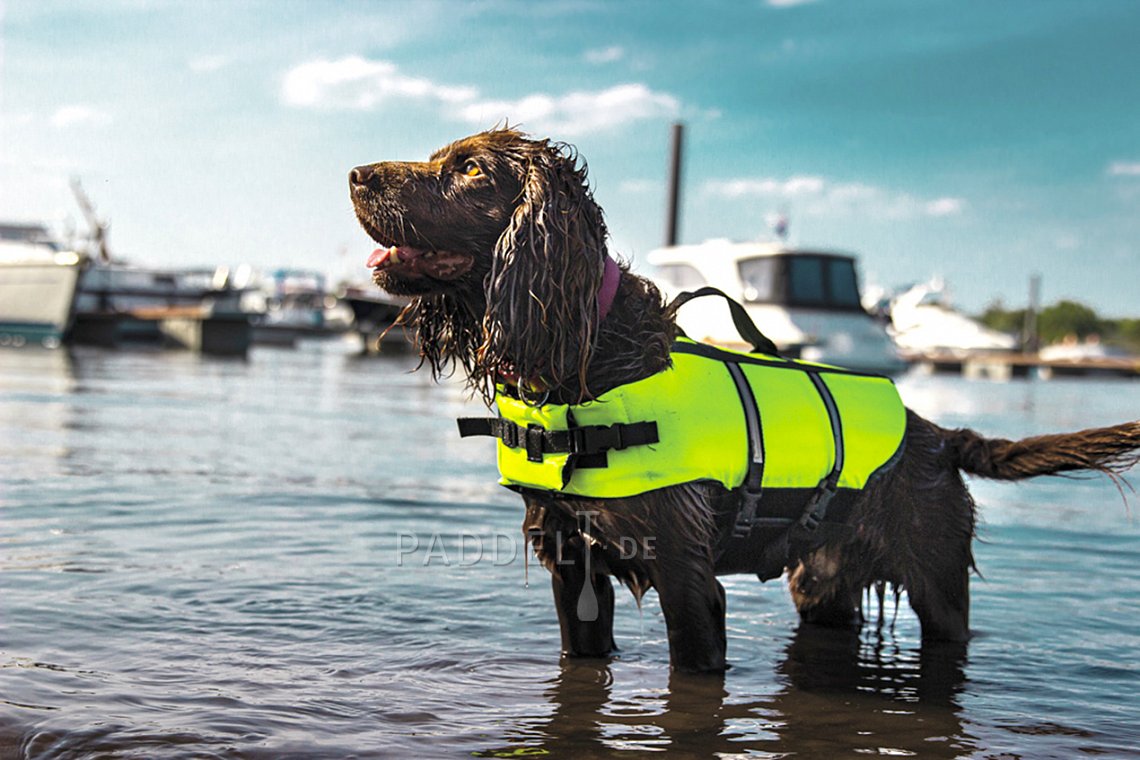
x=807, y=302
x=38, y=281
x=924, y=323
x=1073, y=349
x=116, y=287
x=121, y=302
x=374, y=312
x=292, y=304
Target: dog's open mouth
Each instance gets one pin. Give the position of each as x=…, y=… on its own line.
x=409, y=261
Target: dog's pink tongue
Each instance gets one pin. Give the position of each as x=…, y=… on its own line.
x=380, y=257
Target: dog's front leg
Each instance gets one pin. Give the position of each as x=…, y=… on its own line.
x=693, y=602
x=585, y=615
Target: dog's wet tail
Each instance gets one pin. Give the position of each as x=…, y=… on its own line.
x=1110, y=450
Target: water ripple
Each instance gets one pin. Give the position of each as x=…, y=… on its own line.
x=213, y=559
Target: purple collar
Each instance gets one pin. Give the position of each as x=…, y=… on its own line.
x=610, y=278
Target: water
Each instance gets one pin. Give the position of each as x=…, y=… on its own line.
x=295, y=556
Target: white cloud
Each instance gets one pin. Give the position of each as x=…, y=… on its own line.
x=79, y=116
x=850, y=193
x=577, y=112
x=1124, y=169
x=360, y=84
x=816, y=195
x=16, y=119
x=605, y=55
x=944, y=206
x=357, y=83
x=747, y=187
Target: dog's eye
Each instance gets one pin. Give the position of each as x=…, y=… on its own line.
x=471, y=169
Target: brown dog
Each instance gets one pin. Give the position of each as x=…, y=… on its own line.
x=499, y=241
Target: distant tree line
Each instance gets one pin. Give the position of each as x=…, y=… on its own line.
x=1065, y=318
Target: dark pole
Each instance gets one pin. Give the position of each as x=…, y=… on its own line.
x=1032, y=341
x=674, y=211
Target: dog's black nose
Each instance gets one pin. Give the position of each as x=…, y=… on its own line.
x=361, y=176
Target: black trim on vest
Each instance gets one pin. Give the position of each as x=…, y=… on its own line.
x=805, y=525
x=752, y=488
x=816, y=509
x=712, y=352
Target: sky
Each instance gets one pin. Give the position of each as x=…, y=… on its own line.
x=981, y=142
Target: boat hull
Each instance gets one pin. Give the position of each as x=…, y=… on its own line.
x=37, y=302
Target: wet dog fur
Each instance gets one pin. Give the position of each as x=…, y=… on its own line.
x=499, y=243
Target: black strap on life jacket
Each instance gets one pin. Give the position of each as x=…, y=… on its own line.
x=761, y=343
x=804, y=528
x=816, y=508
x=750, y=489
x=799, y=534
x=582, y=440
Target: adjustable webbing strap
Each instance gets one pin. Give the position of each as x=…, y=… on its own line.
x=581, y=440
x=751, y=488
x=761, y=343
x=816, y=509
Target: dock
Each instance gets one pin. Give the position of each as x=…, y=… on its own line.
x=194, y=327
x=1001, y=365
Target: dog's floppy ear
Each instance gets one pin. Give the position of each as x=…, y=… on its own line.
x=542, y=292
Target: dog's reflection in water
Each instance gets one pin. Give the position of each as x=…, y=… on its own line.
x=837, y=692
x=849, y=693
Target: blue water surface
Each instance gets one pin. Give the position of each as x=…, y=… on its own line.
x=296, y=556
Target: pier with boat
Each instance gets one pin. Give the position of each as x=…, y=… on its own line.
x=52, y=294
x=809, y=302
x=55, y=291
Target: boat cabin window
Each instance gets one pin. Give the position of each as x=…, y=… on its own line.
x=801, y=280
x=681, y=275
x=805, y=281
x=759, y=278
x=843, y=289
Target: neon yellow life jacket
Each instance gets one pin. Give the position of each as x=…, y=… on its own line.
x=810, y=423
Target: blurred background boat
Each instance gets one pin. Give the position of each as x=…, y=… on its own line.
x=923, y=322
x=38, y=281
x=806, y=301
x=374, y=313
x=291, y=304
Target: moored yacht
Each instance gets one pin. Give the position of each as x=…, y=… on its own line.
x=38, y=281
x=924, y=324
x=806, y=301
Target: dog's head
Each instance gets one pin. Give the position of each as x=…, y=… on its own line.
x=500, y=241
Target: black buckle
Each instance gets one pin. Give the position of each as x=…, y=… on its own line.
x=810, y=522
x=534, y=442
x=816, y=508
x=508, y=432
x=746, y=517
x=592, y=439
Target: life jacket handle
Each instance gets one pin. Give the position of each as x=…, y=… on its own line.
x=761, y=343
